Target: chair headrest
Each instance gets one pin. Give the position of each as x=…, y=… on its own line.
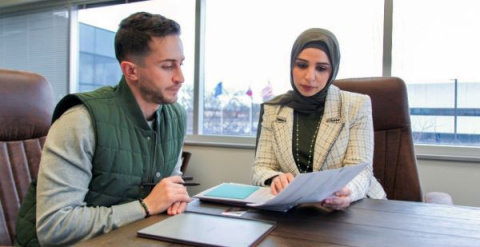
x=389, y=99
x=26, y=105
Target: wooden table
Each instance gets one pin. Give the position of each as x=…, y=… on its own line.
x=366, y=223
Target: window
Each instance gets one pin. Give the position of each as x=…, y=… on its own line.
x=436, y=51
x=247, y=52
x=245, y=49
x=37, y=42
x=97, y=63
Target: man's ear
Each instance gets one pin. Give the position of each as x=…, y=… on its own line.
x=129, y=70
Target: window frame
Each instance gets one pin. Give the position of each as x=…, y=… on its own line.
x=424, y=152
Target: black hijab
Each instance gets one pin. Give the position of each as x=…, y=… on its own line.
x=312, y=38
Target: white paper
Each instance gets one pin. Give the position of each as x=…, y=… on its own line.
x=311, y=187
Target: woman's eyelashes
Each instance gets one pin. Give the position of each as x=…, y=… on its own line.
x=322, y=67
x=301, y=64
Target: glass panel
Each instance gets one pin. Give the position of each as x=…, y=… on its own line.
x=436, y=51
x=97, y=63
x=247, y=52
x=37, y=42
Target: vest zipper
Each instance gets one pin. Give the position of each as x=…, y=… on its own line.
x=153, y=172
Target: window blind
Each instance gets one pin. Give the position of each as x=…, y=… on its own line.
x=37, y=42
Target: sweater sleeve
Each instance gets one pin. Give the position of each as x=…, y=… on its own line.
x=63, y=218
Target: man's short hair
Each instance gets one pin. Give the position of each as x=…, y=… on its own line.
x=136, y=31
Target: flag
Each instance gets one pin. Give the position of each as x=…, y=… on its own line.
x=218, y=89
x=249, y=92
x=267, y=92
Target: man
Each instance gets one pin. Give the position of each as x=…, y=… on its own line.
x=112, y=156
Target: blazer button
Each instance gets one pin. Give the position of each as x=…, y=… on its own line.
x=158, y=174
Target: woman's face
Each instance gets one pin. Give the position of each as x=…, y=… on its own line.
x=311, y=71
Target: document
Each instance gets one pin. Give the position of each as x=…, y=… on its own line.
x=305, y=188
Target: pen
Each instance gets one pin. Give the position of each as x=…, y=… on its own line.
x=184, y=184
x=190, y=184
x=185, y=178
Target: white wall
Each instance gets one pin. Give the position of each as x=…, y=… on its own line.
x=213, y=165
x=460, y=180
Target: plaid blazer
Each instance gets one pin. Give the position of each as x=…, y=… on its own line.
x=345, y=138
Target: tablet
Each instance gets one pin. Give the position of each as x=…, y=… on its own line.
x=208, y=230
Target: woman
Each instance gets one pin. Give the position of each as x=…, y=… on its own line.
x=316, y=126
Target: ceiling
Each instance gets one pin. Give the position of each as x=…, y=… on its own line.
x=10, y=3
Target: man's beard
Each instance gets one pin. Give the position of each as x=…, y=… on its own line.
x=154, y=95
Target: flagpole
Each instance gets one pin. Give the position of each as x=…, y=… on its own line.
x=218, y=94
x=251, y=115
x=221, y=118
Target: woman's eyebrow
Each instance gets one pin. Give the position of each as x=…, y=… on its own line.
x=324, y=63
x=304, y=60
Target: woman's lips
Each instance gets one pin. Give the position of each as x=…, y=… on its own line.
x=307, y=88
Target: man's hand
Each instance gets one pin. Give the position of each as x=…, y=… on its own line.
x=177, y=208
x=339, y=201
x=168, y=194
x=280, y=182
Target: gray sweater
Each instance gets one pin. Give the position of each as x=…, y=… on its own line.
x=63, y=178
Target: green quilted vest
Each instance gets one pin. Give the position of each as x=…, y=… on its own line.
x=129, y=156
x=127, y=149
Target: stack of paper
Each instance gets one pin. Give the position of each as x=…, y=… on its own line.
x=305, y=188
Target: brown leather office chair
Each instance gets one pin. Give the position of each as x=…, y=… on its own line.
x=185, y=159
x=26, y=107
x=394, y=160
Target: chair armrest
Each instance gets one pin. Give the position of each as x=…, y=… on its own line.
x=438, y=198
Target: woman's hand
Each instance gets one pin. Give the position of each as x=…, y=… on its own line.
x=339, y=201
x=280, y=182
